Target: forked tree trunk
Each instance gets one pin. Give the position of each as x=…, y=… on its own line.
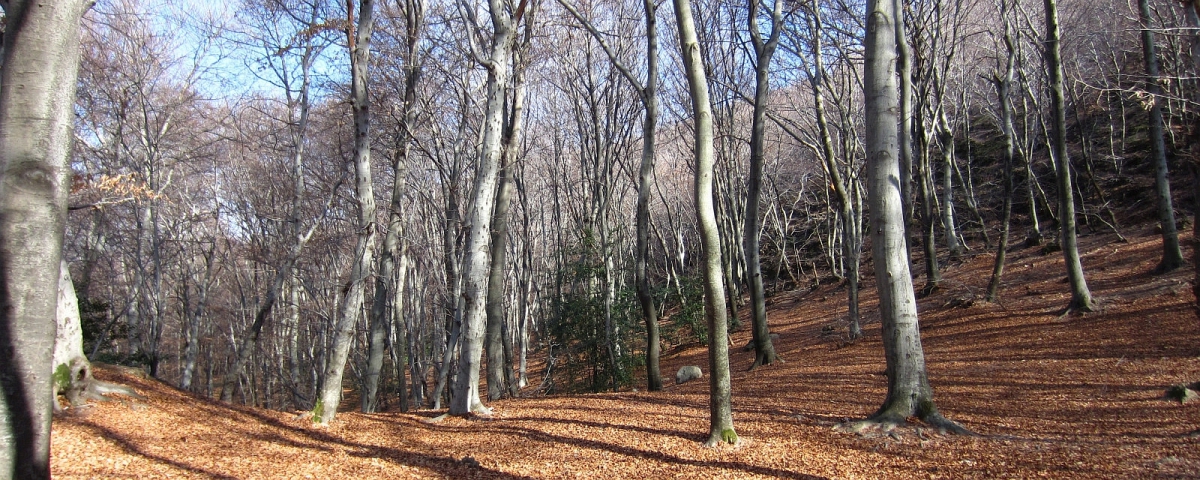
x=476, y=259
x=763, y=347
x=387, y=284
x=720, y=391
x=37, y=100
x=1003, y=84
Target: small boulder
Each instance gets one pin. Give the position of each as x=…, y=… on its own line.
x=687, y=374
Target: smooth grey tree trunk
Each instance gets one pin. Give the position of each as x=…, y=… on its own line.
x=498, y=371
x=763, y=348
x=1081, y=297
x=1172, y=255
x=37, y=99
x=364, y=251
x=477, y=261
x=909, y=392
x=720, y=390
x=904, y=69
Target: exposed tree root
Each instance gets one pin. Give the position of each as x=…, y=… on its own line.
x=893, y=426
x=82, y=387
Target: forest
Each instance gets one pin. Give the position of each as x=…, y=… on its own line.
x=740, y=238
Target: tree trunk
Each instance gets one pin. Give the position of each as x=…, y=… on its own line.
x=645, y=179
x=37, y=100
x=1003, y=94
x=387, y=284
x=720, y=391
x=909, y=391
x=763, y=348
x=477, y=261
x=364, y=252
x=904, y=69
x=1172, y=255
x=1081, y=298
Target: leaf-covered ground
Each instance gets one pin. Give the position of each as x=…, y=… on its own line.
x=1049, y=396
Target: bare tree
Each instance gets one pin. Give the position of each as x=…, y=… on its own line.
x=477, y=261
x=720, y=391
x=387, y=285
x=358, y=37
x=1081, y=298
x=763, y=50
x=909, y=392
x=1172, y=255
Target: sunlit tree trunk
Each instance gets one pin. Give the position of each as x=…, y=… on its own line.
x=388, y=285
x=477, y=261
x=909, y=392
x=359, y=39
x=720, y=391
x=39, y=67
x=763, y=348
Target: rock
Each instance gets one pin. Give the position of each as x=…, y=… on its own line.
x=1181, y=393
x=688, y=373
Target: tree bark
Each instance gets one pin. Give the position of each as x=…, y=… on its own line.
x=763, y=348
x=1081, y=298
x=720, y=391
x=387, y=284
x=909, y=391
x=1172, y=255
x=364, y=251
x=1003, y=84
x=37, y=99
x=477, y=261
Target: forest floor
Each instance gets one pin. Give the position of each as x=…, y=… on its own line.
x=1077, y=396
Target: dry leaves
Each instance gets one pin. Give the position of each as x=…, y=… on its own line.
x=1078, y=396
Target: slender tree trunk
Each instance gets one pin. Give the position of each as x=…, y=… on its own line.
x=1172, y=255
x=1193, y=21
x=720, y=391
x=37, y=99
x=387, y=283
x=499, y=233
x=763, y=348
x=1003, y=94
x=1081, y=298
x=904, y=69
x=850, y=243
x=645, y=179
x=195, y=315
x=946, y=140
x=364, y=252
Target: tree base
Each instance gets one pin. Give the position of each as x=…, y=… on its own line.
x=892, y=425
x=727, y=436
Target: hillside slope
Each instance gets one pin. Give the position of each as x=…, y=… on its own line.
x=1078, y=396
